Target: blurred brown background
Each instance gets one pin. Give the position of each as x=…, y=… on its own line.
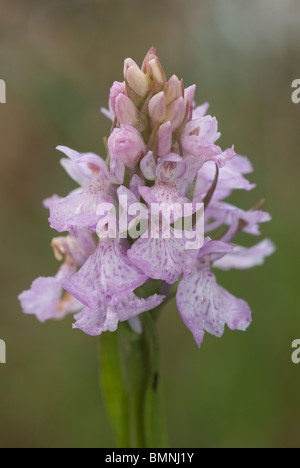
x=59, y=60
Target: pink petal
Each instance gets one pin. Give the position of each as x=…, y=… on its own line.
x=242, y=258
x=167, y=196
x=159, y=258
x=107, y=275
x=43, y=298
x=106, y=317
x=205, y=306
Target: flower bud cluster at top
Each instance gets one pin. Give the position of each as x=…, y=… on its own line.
x=157, y=108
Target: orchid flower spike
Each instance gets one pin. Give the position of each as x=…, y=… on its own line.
x=163, y=161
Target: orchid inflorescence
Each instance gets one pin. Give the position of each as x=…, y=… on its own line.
x=161, y=152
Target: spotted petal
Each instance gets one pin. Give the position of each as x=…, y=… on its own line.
x=159, y=258
x=168, y=197
x=205, y=306
x=106, y=317
x=78, y=210
x=108, y=275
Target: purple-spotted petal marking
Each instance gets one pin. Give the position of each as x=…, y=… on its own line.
x=205, y=306
x=106, y=317
x=78, y=210
x=132, y=211
x=160, y=258
x=211, y=249
x=166, y=199
x=108, y=275
x=168, y=170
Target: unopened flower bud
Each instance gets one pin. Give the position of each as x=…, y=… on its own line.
x=137, y=80
x=156, y=71
x=150, y=56
x=116, y=89
x=126, y=112
x=127, y=64
x=176, y=113
x=173, y=89
x=127, y=144
x=189, y=95
x=158, y=108
x=164, y=139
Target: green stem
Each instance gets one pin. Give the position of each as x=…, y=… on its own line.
x=138, y=378
x=143, y=408
x=114, y=387
x=156, y=435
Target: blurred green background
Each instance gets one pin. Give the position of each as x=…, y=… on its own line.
x=59, y=60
